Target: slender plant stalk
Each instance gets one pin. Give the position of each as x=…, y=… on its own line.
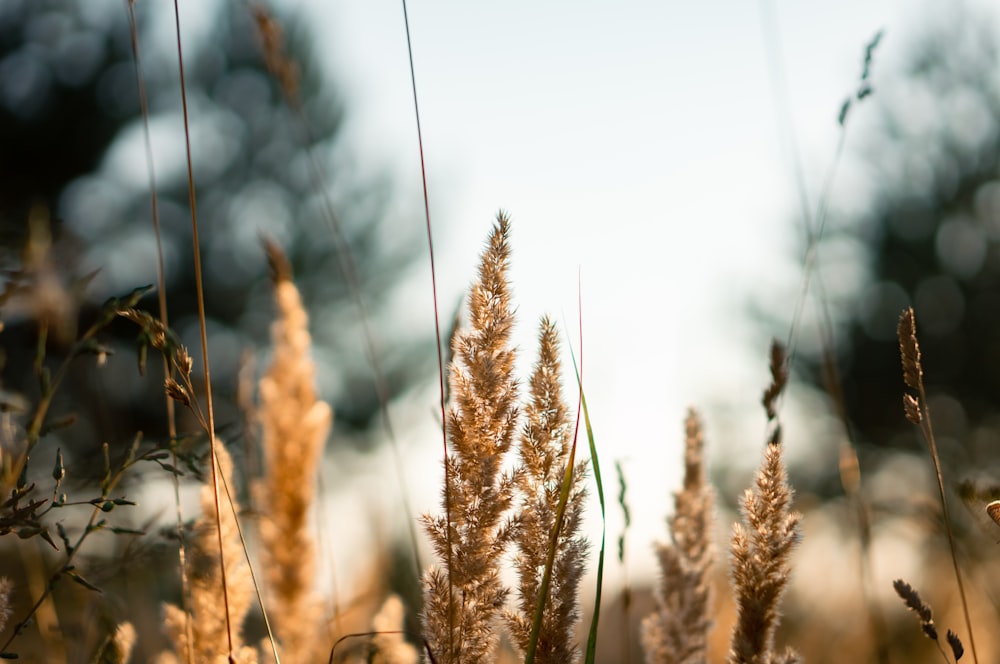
x=918, y=412
x=482, y=424
x=590, y=655
x=200, y=295
x=762, y=541
x=543, y=592
x=676, y=631
x=437, y=330
x=543, y=451
x=162, y=298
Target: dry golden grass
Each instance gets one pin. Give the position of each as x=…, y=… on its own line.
x=518, y=515
x=677, y=631
x=294, y=429
x=212, y=638
x=545, y=448
x=463, y=600
x=494, y=513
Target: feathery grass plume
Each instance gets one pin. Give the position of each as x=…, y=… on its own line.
x=677, y=631
x=390, y=646
x=124, y=641
x=918, y=412
x=463, y=600
x=762, y=542
x=117, y=648
x=913, y=601
x=544, y=447
x=295, y=425
x=209, y=620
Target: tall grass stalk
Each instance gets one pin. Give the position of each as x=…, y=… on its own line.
x=171, y=411
x=481, y=426
x=590, y=655
x=437, y=328
x=202, y=326
x=917, y=410
x=553, y=497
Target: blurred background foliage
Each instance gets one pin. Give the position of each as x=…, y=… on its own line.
x=76, y=228
x=72, y=134
x=928, y=236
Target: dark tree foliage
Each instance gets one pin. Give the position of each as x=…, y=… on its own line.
x=71, y=144
x=930, y=239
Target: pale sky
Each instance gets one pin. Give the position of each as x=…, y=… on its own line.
x=634, y=143
x=640, y=145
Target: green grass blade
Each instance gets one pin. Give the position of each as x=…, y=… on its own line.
x=543, y=591
x=592, y=635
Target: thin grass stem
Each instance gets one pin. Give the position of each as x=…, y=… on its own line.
x=437, y=332
x=928, y=431
x=162, y=300
x=200, y=296
x=590, y=654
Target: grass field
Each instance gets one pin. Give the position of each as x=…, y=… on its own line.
x=503, y=566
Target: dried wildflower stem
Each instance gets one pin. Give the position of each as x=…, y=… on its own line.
x=918, y=412
x=553, y=493
x=677, y=630
x=200, y=296
x=162, y=298
x=294, y=425
x=762, y=541
x=210, y=619
x=481, y=425
x=50, y=382
x=437, y=322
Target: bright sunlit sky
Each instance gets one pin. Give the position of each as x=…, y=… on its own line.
x=636, y=144
x=642, y=146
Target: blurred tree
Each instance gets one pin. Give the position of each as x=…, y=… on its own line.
x=72, y=143
x=75, y=201
x=930, y=238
